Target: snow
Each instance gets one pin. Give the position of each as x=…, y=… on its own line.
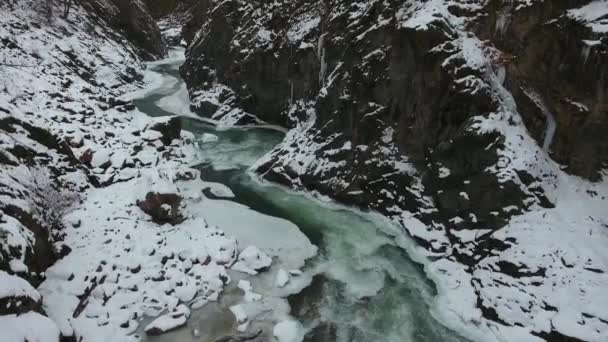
x=250, y=296
x=17, y=266
x=251, y=259
x=239, y=313
x=219, y=190
x=302, y=27
x=287, y=331
x=31, y=327
x=282, y=278
x=13, y=286
x=593, y=15
x=170, y=321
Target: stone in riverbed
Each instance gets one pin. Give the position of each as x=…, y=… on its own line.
x=170, y=129
x=164, y=208
x=171, y=321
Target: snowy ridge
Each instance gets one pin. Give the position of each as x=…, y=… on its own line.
x=593, y=15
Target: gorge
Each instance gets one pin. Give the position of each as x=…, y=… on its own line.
x=297, y=170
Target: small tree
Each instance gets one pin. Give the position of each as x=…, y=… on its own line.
x=67, y=5
x=53, y=201
x=49, y=10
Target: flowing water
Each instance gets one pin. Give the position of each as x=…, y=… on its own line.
x=365, y=286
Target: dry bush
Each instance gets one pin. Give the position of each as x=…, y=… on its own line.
x=54, y=202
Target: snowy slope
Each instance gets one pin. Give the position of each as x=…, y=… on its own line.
x=77, y=161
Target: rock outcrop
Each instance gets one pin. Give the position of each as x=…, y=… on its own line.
x=133, y=22
x=163, y=208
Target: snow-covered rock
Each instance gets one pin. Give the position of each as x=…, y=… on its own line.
x=286, y=331
x=251, y=260
x=282, y=278
x=167, y=322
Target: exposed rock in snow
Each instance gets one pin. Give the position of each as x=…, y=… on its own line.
x=170, y=129
x=164, y=208
x=17, y=295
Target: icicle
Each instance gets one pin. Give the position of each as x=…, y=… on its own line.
x=586, y=52
x=320, y=45
x=321, y=56
x=501, y=74
x=502, y=21
x=551, y=123
x=323, y=69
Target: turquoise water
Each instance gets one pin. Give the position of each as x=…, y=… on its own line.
x=368, y=289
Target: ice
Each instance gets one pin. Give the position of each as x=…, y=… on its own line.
x=170, y=321
x=282, y=278
x=287, y=331
x=252, y=259
x=208, y=138
x=239, y=313
x=250, y=296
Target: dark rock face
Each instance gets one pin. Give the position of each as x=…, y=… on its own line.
x=18, y=305
x=131, y=17
x=395, y=69
x=170, y=129
x=557, y=67
x=408, y=106
x=164, y=208
x=372, y=89
x=162, y=8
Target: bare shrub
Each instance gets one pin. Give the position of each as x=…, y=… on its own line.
x=54, y=201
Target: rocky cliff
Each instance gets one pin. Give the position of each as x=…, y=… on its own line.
x=465, y=121
x=60, y=82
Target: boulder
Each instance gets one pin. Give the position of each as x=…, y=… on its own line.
x=163, y=208
x=170, y=129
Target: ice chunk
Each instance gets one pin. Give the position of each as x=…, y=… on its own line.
x=286, y=331
x=239, y=313
x=251, y=260
x=177, y=318
x=282, y=278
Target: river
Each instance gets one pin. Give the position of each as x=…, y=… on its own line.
x=365, y=287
